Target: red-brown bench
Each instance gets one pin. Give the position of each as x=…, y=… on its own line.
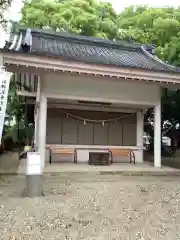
x=62, y=151
x=123, y=153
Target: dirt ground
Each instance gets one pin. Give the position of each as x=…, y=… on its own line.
x=91, y=207
x=9, y=162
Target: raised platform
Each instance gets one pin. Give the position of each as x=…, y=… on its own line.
x=138, y=169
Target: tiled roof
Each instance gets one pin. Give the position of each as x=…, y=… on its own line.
x=87, y=49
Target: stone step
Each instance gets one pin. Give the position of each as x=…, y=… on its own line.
x=115, y=173
x=99, y=163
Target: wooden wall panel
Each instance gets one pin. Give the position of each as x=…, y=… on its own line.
x=85, y=134
x=54, y=127
x=129, y=134
x=63, y=130
x=115, y=134
x=100, y=134
x=70, y=133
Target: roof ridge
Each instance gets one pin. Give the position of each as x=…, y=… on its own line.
x=156, y=59
x=86, y=39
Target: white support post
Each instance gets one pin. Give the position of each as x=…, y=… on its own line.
x=36, y=161
x=4, y=89
x=157, y=135
x=42, y=128
x=139, y=135
x=36, y=117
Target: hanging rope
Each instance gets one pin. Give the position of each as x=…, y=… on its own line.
x=94, y=121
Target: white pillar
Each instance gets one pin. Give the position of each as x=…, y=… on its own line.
x=42, y=128
x=4, y=89
x=36, y=117
x=157, y=135
x=139, y=135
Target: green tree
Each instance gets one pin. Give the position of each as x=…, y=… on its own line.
x=4, y=4
x=84, y=17
x=161, y=27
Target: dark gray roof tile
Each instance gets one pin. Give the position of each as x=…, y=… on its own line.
x=94, y=50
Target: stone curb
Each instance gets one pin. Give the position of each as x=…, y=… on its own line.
x=121, y=173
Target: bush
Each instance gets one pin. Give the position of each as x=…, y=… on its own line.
x=2, y=146
x=8, y=143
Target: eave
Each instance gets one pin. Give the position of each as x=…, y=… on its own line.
x=15, y=62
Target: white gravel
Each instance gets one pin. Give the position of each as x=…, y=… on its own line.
x=78, y=207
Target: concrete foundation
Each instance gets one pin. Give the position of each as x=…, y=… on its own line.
x=34, y=186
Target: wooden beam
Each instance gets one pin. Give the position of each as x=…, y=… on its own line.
x=57, y=64
x=27, y=94
x=40, y=71
x=117, y=108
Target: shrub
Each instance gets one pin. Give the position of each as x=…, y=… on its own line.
x=8, y=143
x=2, y=146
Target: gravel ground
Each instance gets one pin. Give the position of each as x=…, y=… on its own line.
x=77, y=207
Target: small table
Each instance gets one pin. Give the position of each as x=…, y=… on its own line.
x=99, y=158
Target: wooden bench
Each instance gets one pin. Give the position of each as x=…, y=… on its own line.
x=62, y=151
x=123, y=153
